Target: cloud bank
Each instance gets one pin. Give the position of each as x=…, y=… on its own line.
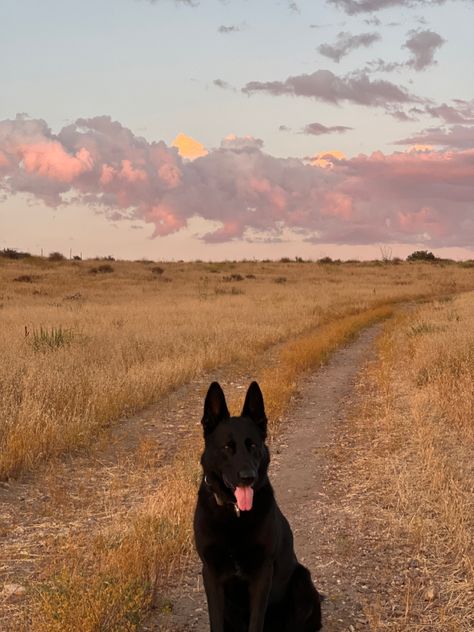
x=455, y=137
x=353, y=7
x=404, y=197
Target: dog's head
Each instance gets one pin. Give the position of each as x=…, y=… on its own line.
x=235, y=457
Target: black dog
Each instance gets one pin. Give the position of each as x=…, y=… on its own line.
x=252, y=578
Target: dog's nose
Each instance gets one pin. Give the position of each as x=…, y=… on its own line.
x=247, y=477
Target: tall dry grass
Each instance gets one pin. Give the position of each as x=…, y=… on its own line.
x=80, y=349
x=417, y=431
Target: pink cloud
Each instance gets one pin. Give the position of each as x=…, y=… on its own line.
x=229, y=230
x=130, y=174
x=400, y=197
x=3, y=159
x=338, y=205
x=50, y=160
x=108, y=173
x=165, y=219
x=170, y=174
x=424, y=221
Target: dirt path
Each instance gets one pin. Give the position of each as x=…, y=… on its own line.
x=305, y=478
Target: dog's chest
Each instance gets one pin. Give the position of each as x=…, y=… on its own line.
x=243, y=556
x=235, y=566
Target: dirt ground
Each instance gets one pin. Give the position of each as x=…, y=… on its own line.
x=305, y=478
x=85, y=492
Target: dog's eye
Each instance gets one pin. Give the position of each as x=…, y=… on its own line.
x=253, y=445
x=227, y=447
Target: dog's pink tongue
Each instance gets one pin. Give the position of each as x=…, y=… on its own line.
x=244, y=496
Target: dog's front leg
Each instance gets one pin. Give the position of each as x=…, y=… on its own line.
x=259, y=590
x=215, y=599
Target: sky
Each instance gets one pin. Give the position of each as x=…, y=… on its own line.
x=230, y=129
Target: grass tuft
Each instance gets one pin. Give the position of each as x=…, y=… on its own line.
x=43, y=339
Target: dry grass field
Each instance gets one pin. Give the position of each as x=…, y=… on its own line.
x=415, y=465
x=81, y=347
x=84, y=349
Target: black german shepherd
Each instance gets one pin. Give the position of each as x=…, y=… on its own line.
x=252, y=578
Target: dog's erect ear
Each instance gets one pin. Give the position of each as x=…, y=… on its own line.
x=215, y=408
x=254, y=407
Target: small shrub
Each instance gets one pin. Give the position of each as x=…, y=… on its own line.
x=158, y=270
x=56, y=256
x=421, y=255
x=250, y=276
x=280, y=279
x=419, y=329
x=325, y=260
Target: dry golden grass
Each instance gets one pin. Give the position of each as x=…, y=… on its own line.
x=81, y=350
x=416, y=427
x=108, y=581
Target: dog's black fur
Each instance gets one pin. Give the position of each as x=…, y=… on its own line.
x=252, y=578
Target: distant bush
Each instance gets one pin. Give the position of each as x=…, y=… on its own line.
x=233, y=277
x=421, y=255
x=73, y=297
x=234, y=291
x=56, y=256
x=325, y=260
x=26, y=278
x=77, y=258
x=106, y=268
x=158, y=270
x=11, y=253
x=280, y=279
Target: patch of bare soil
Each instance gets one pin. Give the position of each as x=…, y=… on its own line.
x=311, y=491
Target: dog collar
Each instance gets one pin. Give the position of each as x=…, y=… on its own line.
x=219, y=500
